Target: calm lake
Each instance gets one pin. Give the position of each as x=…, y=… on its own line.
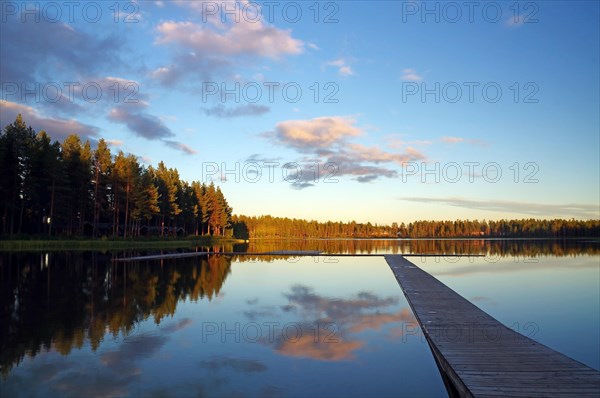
x=77, y=324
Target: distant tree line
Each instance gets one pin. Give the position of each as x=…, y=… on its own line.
x=68, y=188
x=277, y=227
x=530, y=228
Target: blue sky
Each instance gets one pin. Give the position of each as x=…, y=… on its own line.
x=410, y=110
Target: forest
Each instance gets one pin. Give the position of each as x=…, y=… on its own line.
x=278, y=227
x=71, y=189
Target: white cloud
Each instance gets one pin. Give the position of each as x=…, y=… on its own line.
x=337, y=62
x=343, y=68
x=411, y=75
x=346, y=71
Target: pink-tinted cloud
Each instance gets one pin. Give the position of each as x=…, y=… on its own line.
x=243, y=38
x=327, y=140
x=320, y=132
x=456, y=140
x=213, y=47
x=57, y=128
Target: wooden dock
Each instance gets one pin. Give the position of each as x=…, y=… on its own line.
x=479, y=356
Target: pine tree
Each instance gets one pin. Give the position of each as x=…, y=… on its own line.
x=145, y=199
x=168, y=186
x=77, y=161
x=15, y=152
x=101, y=163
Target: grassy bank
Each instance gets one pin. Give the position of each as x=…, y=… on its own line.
x=112, y=244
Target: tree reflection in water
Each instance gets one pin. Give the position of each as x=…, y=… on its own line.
x=57, y=301
x=61, y=301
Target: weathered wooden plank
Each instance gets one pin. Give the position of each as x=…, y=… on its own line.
x=480, y=355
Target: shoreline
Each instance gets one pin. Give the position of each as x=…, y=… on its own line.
x=18, y=245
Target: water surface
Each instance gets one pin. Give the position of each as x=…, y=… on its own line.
x=78, y=324
x=313, y=326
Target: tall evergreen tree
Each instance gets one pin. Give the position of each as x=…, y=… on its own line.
x=102, y=161
x=77, y=159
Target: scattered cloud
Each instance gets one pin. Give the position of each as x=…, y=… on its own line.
x=327, y=141
x=452, y=140
x=320, y=132
x=242, y=38
x=50, y=48
x=411, y=75
x=376, y=155
x=180, y=147
x=57, y=129
x=50, y=69
x=146, y=125
x=346, y=71
x=258, y=158
x=115, y=143
x=140, y=122
x=343, y=68
x=395, y=141
x=242, y=110
x=566, y=211
x=456, y=140
x=214, y=47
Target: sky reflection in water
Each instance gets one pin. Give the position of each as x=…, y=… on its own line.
x=296, y=327
x=555, y=300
